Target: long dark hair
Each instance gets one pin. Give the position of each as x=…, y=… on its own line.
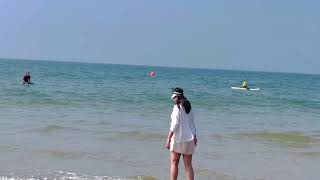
x=185, y=103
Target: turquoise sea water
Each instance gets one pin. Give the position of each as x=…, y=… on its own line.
x=87, y=121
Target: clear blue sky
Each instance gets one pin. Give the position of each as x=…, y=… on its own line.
x=263, y=35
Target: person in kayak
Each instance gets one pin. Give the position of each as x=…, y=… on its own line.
x=245, y=84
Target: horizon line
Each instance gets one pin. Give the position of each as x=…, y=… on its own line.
x=165, y=66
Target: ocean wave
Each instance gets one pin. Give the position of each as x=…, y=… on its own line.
x=137, y=135
x=311, y=154
x=289, y=139
x=214, y=175
x=51, y=128
x=61, y=154
x=7, y=148
x=71, y=176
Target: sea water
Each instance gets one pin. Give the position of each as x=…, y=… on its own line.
x=106, y=121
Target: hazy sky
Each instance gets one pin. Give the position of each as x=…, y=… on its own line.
x=267, y=35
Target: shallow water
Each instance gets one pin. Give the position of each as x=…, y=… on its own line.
x=100, y=121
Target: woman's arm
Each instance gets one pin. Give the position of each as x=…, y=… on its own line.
x=174, y=125
x=194, y=130
x=169, y=139
x=193, y=126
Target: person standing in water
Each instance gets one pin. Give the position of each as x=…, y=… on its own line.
x=182, y=138
x=27, y=78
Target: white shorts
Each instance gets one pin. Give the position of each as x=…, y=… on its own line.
x=183, y=147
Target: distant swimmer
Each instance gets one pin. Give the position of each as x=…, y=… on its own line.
x=27, y=78
x=245, y=84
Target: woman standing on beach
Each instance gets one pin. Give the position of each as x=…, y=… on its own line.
x=182, y=135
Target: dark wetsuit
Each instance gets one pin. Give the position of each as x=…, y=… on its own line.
x=26, y=78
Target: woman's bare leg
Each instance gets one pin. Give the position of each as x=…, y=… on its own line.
x=187, y=159
x=174, y=165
